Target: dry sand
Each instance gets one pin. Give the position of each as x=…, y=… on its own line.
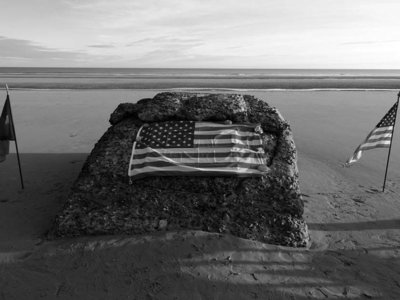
x=355, y=229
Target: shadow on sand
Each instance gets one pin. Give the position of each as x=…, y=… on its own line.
x=356, y=226
x=197, y=265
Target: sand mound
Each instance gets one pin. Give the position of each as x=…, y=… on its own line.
x=267, y=208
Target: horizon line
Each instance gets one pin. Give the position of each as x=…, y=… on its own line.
x=198, y=68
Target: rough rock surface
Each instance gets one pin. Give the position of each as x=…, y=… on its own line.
x=267, y=208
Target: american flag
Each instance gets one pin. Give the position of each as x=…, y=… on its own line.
x=379, y=137
x=197, y=149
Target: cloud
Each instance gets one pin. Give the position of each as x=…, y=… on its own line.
x=105, y=46
x=167, y=41
x=17, y=52
x=371, y=42
x=25, y=49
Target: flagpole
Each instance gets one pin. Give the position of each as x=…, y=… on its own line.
x=390, y=147
x=16, y=143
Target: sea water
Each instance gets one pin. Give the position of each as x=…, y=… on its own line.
x=214, y=79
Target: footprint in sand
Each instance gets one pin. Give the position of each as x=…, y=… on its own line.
x=358, y=199
x=373, y=191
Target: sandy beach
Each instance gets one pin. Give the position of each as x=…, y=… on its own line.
x=355, y=228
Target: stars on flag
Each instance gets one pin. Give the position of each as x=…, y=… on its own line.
x=170, y=134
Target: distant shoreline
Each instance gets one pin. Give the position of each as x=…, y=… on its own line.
x=195, y=84
x=220, y=79
x=207, y=90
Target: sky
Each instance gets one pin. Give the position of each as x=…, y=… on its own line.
x=305, y=34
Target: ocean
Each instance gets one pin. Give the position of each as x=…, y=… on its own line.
x=199, y=79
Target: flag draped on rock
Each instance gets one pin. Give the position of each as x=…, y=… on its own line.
x=6, y=130
x=197, y=149
x=379, y=137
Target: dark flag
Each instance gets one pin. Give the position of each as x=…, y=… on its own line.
x=379, y=137
x=6, y=130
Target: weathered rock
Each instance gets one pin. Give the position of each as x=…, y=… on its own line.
x=267, y=208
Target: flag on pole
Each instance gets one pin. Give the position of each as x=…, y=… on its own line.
x=379, y=137
x=6, y=130
x=189, y=148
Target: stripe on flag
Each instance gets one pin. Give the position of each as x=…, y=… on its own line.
x=197, y=149
x=379, y=137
